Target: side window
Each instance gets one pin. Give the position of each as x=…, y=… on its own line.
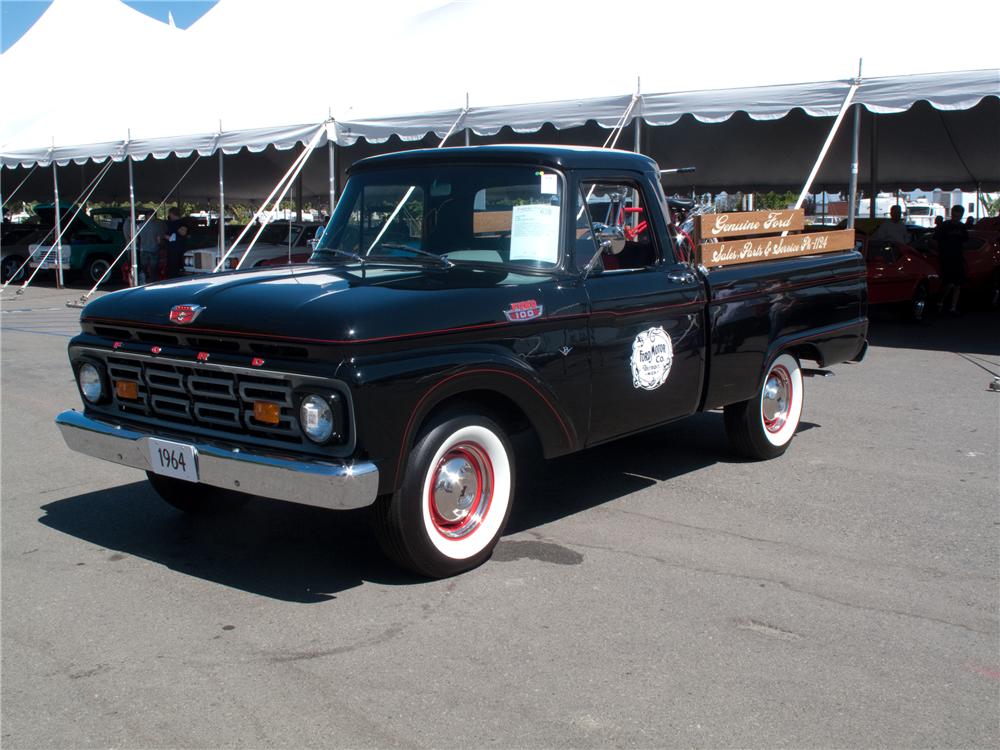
x=585, y=246
x=622, y=205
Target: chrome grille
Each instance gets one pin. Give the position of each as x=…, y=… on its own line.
x=200, y=396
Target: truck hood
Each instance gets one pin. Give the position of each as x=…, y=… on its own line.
x=325, y=304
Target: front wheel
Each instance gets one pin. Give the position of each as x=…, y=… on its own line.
x=9, y=267
x=195, y=498
x=454, y=500
x=96, y=268
x=918, y=303
x=762, y=427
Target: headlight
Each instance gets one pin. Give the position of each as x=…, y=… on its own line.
x=316, y=418
x=91, y=383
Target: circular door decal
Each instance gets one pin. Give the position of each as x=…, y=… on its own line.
x=652, y=355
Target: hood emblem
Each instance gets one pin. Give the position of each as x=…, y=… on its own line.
x=182, y=315
x=529, y=309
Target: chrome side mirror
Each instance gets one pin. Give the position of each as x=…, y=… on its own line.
x=609, y=239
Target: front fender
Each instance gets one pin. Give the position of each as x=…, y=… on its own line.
x=393, y=396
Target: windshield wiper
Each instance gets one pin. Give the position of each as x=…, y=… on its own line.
x=347, y=253
x=442, y=259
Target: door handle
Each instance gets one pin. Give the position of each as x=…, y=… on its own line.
x=681, y=277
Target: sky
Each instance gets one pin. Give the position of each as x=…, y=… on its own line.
x=17, y=16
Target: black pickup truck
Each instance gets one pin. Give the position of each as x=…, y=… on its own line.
x=457, y=297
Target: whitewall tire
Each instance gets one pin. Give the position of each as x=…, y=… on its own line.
x=762, y=427
x=454, y=499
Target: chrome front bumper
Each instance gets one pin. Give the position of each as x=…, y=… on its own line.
x=325, y=484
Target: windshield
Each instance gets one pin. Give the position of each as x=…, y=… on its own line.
x=489, y=214
x=918, y=210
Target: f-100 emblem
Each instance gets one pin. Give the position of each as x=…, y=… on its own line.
x=526, y=310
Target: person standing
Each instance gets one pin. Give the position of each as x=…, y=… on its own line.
x=176, y=242
x=150, y=233
x=893, y=230
x=950, y=238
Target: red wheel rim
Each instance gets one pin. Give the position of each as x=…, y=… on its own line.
x=776, y=399
x=460, y=490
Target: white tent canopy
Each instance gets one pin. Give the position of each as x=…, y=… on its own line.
x=365, y=63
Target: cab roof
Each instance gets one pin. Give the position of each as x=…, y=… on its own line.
x=568, y=157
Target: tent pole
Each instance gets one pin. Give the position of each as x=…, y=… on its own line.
x=331, y=156
x=298, y=198
x=58, y=210
x=287, y=179
x=852, y=191
x=131, y=242
x=222, y=204
x=467, y=134
x=134, y=280
x=873, y=167
x=826, y=145
x=638, y=135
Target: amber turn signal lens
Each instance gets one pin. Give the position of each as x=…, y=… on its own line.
x=266, y=412
x=127, y=389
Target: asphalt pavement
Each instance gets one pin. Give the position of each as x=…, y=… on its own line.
x=655, y=592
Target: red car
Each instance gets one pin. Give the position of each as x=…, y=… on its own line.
x=982, y=260
x=898, y=275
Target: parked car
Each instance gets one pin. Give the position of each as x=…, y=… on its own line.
x=898, y=275
x=15, y=242
x=279, y=240
x=295, y=260
x=87, y=247
x=458, y=297
x=982, y=261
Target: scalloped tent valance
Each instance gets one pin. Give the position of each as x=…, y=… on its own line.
x=953, y=91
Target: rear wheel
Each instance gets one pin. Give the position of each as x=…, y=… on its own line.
x=196, y=498
x=454, y=500
x=763, y=426
x=993, y=292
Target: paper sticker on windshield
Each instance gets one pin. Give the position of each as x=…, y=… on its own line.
x=534, y=233
x=550, y=183
x=652, y=356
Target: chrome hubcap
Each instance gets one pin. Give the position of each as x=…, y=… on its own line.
x=777, y=399
x=461, y=490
